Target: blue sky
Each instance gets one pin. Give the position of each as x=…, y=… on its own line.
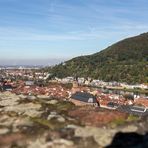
x=60, y=29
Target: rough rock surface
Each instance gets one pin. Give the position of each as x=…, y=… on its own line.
x=31, y=122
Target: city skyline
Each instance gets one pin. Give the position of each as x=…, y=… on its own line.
x=56, y=30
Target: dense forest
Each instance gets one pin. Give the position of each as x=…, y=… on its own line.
x=125, y=61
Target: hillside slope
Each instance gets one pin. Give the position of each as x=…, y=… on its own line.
x=125, y=61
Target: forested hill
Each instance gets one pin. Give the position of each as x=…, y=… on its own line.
x=125, y=61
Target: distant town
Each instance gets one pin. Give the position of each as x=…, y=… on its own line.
x=32, y=81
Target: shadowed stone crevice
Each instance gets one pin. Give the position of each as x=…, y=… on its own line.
x=130, y=140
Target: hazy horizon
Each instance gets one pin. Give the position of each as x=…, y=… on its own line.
x=32, y=62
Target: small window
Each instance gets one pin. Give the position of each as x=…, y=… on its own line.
x=90, y=100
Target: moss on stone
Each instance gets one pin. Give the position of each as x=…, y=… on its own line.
x=133, y=118
x=117, y=122
x=64, y=106
x=52, y=124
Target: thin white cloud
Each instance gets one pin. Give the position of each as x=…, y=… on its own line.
x=28, y=34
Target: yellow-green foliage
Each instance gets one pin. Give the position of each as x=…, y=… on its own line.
x=52, y=124
x=132, y=118
x=117, y=122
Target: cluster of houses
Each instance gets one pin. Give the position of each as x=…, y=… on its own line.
x=80, y=94
x=6, y=85
x=55, y=91
x=126, y=106
x=100, y=83
x=24, y=74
